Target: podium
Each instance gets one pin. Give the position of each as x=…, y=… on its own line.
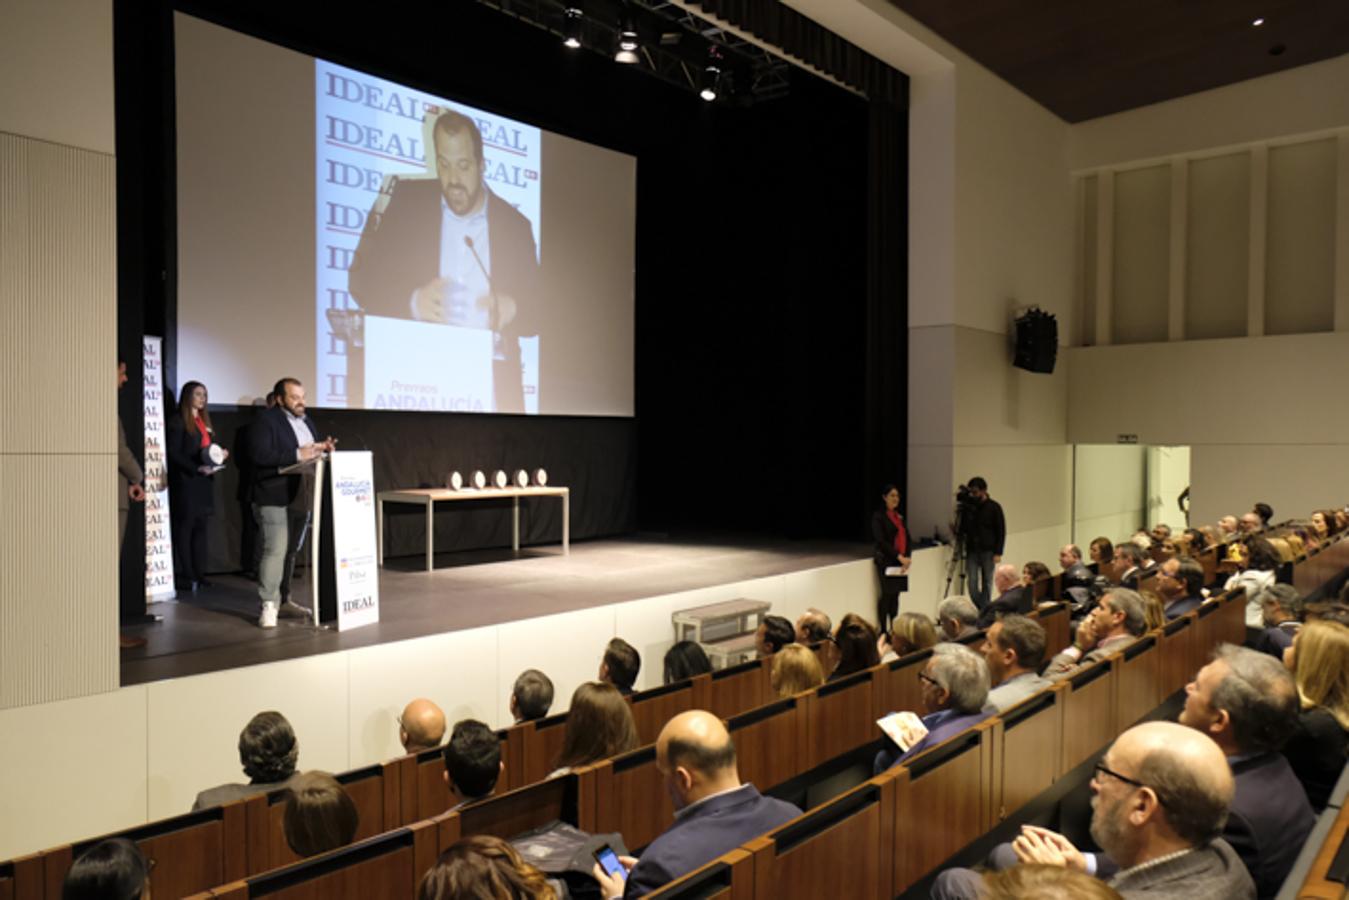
x=344, y=577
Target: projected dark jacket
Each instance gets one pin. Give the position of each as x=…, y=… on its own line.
x=400, y=251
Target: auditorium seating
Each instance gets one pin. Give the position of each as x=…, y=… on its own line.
x=918, y=814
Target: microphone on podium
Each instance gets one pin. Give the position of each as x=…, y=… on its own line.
x=491, y=287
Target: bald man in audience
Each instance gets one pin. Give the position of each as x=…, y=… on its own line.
x=1227, y=525
x=1160, y=796
x=1116, y=622
x=1014, y=651
x=714, y=811
x=813, y=626
x=1012, y=595
x=421, y=726
x=1250, y=523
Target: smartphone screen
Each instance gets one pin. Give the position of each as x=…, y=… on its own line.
x=608, y=861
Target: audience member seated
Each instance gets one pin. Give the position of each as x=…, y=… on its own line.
x=1129, y=563
x=1281, y=612
x=1265, y=512
x=1261, y=560
x=1160, y=533
x=1159, y=798
x=813, y=626
x=110, y=870
x=472, y=762
x=1328, y=612
x=714, y=811
x=1227, y=527
x=955, y=697
x=599, y=725
x=1116, y=622
x=268, y=752
x=1197, y=540
x=1103, y=554
x=1014, y=651
x=1250, y=523
x=1142, y=539
x=1180, y=582
x=620, y=665
x=957, y=617
x=421, y=726
x=1040, y=881
x=1012, y=595
x=319, y=815
x=532, y=696
x=483, y=867
x=687, y=659
x=1247, y=703
x=1154, y=609
x=1075, y=574
x=856, y=641
x=1320, y=525
x=1319, y=661
x=909, y=633
x=796, y=669
x=774, y=633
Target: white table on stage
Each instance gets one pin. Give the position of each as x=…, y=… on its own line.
x=429, y=497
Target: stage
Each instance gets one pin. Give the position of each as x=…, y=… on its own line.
x=217, y=628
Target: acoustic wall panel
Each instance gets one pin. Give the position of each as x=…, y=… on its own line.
x=1300, y=237
x=1140, y=305
x=1218, y=243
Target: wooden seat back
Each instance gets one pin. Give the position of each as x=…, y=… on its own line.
x=387, y=867
x=1088, y=713
x=728, y=877
x=541, y=744
x=942, y=803
x=842, y=848
x=1138, y=680
x=566, y=798
x=631, y=798
x=1057, y=625
x=733, y=690
x=840, y=716
x=651, y=709
x=772, y=742
x=1026, y=750
x=897, y=684
x=190, y=853
x=1179, y=649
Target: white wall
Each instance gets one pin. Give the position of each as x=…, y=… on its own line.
x=78, y=768
x=1108, y=492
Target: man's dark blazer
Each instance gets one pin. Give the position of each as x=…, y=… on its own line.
x=1017, y=600
x=1269, y=819
x=1182, y=606
x=704, y=832
x=400, y=251
x=272, y=446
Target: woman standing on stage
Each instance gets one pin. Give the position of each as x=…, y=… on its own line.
x=891, y=551
x=191, y=486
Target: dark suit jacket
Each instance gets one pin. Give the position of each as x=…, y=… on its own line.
x=1316, y=753
x=272, y=446
x=883, y=533
x=1183, y=606
x=400, y=251
x=703, y=832
x=227, y=793
x=1269, y=819
x=942, y=726
x=190, y=492
x=1017, y=600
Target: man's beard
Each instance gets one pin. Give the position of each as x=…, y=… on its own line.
x=1107, y=828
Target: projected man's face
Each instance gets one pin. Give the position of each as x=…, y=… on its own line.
x=459, y=170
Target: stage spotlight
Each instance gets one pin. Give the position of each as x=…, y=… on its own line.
x=627, y=44
x=540, y=477
x=455, y=481
x=500, y=478
x=711, y=81
x=571, y=27
x=522, y=478
x=479, y=479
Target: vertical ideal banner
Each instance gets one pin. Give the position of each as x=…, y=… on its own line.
x=354, y=548
x=158, y=539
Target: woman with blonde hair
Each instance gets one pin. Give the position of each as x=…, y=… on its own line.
x=599, y=725
x=909, y=633
x=1154, y=610
x=483, y=867
x=795, y=669
x=1319, y=661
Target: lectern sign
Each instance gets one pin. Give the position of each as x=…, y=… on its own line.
x=354, y=547
x=158, y=541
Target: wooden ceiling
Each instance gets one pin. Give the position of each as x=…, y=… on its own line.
x=1088, y=58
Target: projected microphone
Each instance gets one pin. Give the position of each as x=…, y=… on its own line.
x=496, y=312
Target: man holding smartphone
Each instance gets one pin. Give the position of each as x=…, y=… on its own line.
x=714, y=811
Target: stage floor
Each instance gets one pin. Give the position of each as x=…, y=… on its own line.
x=217, y=628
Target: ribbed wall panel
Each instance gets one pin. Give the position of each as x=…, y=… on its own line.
x=58, y=563
x=58, y=308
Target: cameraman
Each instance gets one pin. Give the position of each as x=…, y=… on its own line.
x=985, y=531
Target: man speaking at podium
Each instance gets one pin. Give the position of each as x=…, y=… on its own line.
x=459, y=255
x=282, y=436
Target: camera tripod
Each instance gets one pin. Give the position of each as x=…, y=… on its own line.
x=955, y=567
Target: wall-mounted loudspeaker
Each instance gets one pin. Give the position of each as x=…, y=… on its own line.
x=1037, y=341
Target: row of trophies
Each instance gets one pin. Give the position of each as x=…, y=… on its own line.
x=478, y=480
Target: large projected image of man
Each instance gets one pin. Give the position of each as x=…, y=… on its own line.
x=451, y=251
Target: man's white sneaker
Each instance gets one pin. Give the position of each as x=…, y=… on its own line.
x=267, y=618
